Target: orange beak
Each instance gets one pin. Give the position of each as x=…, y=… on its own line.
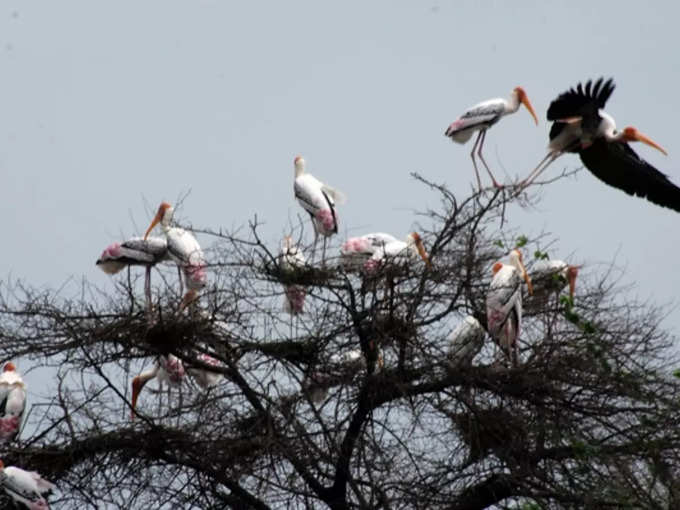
x=572, y=273
x=525, y=275
x=633, y=135
x=156, y=220
x=423, y=253
x=524, y=99
x=137, y=385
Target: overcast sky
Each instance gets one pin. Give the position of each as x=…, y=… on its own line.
x=107, y=108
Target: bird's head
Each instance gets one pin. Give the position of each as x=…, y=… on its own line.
x=9, y=367
x=163, y=216
x=418, y=242
x=517, y=261
x=524, y=99
x=631, y=134
x=299, y=163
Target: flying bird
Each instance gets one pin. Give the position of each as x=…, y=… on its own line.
x=481, y=117
x=465, y=341
x=12, y=402
x=319, y=200
x=504, y=303
x=398, y=253
x=26, y=488
x=582, y=126
x=184, y=250
x=167, y=369
x=135, y=252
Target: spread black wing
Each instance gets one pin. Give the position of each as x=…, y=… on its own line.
x=582, y=101
x=618, y=165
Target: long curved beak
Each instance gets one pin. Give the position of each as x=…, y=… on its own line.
x=645, y=139
x=525, y=275
x=423, y=253
x=527, y=103
x=156, y=220
x=137, y=385
x=572, y=273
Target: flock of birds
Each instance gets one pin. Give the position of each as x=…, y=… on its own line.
x=579, y=125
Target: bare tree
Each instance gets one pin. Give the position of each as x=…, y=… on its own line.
x=588, y=418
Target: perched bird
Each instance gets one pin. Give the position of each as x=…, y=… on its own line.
x=582, y=126
x=481, y=117
x=319, y=200
x=26, y=488
x=167, y=369
x=206, y=378
x=135, y=252
x=551, y=276
x=465, y=341
x=356, y=251
x=12, y=402
x=184, y=250
x=291, y=260
x=398, y=253
x=504, y=303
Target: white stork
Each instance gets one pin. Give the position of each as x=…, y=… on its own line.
x=319, y=200
x=135, y=252
x=481, y=117
x=167, y=369
x=398, y=252
x=25, y=487
x=184, y=250
x=12, y=402
x=465, y=341
x=504, y=303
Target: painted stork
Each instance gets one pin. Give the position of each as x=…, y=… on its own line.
x=398, y=252
x=184, y=250
x=291, y=260
x=465, y=341
x=204, y=377
x=582, y=126
x=167, y=369
x=481, y=117
x=504, y=303
x=12, y=402
x=551, y=276
x=319, y=200
x=135, y=252
x=356, y=251
x=26, y=488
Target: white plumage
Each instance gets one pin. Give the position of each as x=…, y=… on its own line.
x=356, y=251
x=465, y=341
x=25, y=487
x=504, y=303
x=481, y=117
x=398, y=253
x=12, y=402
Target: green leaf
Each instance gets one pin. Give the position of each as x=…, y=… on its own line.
x=499, y=243
x=522, y=241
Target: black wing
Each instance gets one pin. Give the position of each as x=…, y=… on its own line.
x=582, y=101
x=618, y=165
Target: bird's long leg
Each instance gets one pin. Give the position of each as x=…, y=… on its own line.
x=181, y=282
x=323, y=253
x=552, y=156
x=147, y=292
x=316, y=239
x=479, y=153
x=474, y=163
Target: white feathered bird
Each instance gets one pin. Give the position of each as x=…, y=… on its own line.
x=12, y=402
x=465, y=341
x=481, y=117
x=356, y=251
x=398, y=253
x=184, y=250
x=551, y=276
x=504, y=303
x=25, y=487
x=167, y=369
x=319, y=200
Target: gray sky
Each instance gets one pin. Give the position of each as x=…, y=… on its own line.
x=108, y=106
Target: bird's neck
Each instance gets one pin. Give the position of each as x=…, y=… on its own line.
x=512, y=104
